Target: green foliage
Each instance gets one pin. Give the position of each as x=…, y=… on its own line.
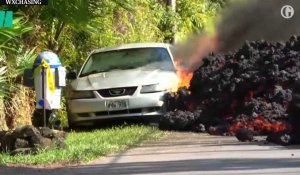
x=75, y=12
x=73, y=28
x=59, y=14
x=86, y=146
x=3, y=85
x=8, y=36
x=169, y=21
x=10, y=39
x=24, y=60
x=197, y=16
x=62, y=114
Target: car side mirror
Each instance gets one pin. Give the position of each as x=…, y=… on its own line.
x=71, y=75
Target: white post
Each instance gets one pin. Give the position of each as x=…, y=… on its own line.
x=172, y=4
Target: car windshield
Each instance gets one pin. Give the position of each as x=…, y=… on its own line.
x=143, y=58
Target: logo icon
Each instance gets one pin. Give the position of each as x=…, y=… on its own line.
x=6, y=19
x=287, y=11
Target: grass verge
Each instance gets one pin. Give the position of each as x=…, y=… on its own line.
x=86, y=146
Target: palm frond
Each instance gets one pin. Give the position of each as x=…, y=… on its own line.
x=25, y=60
x=11, y=34
x=3, y=83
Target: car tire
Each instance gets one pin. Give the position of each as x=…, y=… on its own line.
x=71, y=125
x=152, y=120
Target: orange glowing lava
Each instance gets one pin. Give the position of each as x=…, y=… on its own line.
x=259, y=124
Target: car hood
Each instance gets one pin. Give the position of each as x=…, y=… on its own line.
x=125, y=78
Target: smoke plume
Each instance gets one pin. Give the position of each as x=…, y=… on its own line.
x=240, y=21
x=255, y=20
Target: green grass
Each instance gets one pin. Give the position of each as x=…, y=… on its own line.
x=86, y=146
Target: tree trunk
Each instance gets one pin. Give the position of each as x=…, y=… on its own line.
x=172, y=4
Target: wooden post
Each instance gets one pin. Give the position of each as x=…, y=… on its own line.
x=43, y=96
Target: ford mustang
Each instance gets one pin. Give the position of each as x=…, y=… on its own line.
x=125, y=81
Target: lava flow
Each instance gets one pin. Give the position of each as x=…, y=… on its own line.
x=251, y=89
x=260, y=125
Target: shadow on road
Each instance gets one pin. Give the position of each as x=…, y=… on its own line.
x=203, y=165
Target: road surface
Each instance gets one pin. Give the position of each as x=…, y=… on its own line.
x=186, y=154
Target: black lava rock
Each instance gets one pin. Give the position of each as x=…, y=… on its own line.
x=28, y=139
x=283, y=138
x=294, y=112
x=244, y=135
x=177, y=120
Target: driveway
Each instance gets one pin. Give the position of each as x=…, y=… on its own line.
x=184, y=154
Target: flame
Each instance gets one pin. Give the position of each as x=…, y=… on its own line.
x=189, y=56
x=183, y=74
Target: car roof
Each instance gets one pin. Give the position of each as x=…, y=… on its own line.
x=132, y=46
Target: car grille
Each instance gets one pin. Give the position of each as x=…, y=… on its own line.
x=117, y=92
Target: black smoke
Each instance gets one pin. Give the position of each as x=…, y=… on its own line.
x=255, y=20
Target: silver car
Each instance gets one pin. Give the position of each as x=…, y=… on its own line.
x=125, y=81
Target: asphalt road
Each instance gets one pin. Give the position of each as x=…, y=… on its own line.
x=186, y=154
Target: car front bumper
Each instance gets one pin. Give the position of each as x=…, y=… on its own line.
x=89, y=110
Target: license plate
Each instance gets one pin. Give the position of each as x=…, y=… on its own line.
x=116, y=105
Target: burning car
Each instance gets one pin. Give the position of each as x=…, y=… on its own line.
x=125, y=81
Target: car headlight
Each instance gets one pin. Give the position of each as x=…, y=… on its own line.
x=152, y=88
x=81, y=95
